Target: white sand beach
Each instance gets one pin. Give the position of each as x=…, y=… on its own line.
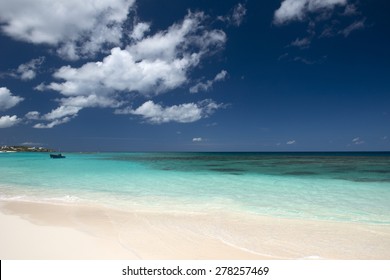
x=55, y=231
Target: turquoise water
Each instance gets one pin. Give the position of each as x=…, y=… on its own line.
x=353, y=187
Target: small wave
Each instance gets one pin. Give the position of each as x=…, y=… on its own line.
x=300, y=173
x=12, y=198
x=66, y=198
x=25, y=198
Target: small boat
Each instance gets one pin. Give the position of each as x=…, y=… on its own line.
x=56, y=156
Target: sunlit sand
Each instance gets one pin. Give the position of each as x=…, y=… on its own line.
x=50, y=231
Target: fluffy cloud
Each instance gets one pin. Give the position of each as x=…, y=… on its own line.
x=149, y=66
x=197, y=139
x=75, y=28
x=7, y=100
x=290, y=142
x=139, y=30
x=190, y=37
x=121, y=71
x=205, y=86
x=26, y=71
x=297, y=10
x=34, y=115
x=153, y=65
x=183, y=113
x=8, y=121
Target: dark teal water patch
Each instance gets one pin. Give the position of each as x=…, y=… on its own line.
x=375, y=166
x=228, y=170
x=370, y=180
x=377, y=171
x=300, y=173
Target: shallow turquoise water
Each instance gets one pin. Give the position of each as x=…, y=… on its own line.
x=329, y=186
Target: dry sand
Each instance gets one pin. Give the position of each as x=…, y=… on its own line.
x=49, y=231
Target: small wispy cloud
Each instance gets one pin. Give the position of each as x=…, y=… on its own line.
x=290, y=142
x=197, y=139
x=324, y=19
x=302, y=43
x=309, y=61
x=236, y=16
x=357, y=25
x=31, y=144
x=205, y=86
x=350, y=10
x=357, y=141
x=302, y=59
x=212, y=124
x=28, y=71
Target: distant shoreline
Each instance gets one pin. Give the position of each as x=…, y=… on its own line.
x=8, y=149
x=11, y=149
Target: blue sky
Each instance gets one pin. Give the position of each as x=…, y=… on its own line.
x=126, y=75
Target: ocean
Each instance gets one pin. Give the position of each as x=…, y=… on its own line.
x=344, y=187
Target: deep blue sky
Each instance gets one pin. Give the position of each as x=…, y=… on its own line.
x=292, y=75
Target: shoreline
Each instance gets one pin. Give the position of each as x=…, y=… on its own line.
x=34, y=230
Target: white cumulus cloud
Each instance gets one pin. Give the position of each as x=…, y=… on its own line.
x=33, y=115
x=8, y=121
x=197, y=139
x=147, y=67
x=290, y=142
x=75, y=28
x=153, y=65
x=139, y=30
x=191, y=36
x=183, y=113
x=7, y=100
x=120, y=71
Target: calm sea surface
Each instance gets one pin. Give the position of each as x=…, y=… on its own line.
x=352, y=187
